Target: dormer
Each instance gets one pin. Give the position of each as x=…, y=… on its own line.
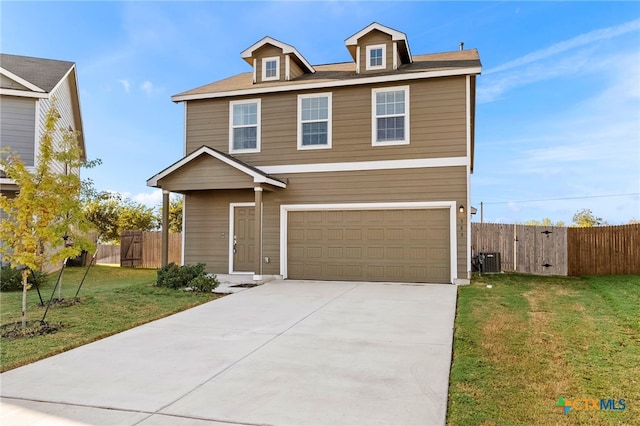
x=377, y=48
x=273, y=60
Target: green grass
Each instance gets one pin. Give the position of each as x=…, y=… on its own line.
x=112, y=300
x=528, y=340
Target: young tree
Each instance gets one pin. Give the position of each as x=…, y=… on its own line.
x=544, y=222
x=44, y=221
x=175, y=214
x=111, y=213
x=137, y=216
x=585, y=218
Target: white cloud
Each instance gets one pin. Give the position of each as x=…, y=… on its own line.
x=577, y=56
x=125, y=84
x=149, y=199
x=147, y=87
x=563, y=46
x=587, y=149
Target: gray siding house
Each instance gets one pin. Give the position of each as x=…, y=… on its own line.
x=347, y=171
x=27, y=88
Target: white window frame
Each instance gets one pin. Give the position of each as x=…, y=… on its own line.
x=374, y=117
x=368, y=65
x=329, y=120
x=265, y=61
x=258, y=125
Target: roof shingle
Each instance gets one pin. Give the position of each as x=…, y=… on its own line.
x=44, y=73
x=344, y=71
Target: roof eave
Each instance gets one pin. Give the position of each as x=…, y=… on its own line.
x=328, y=84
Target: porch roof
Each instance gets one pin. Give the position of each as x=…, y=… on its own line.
x=195, y=172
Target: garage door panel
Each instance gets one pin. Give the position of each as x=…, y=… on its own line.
x=376, y=245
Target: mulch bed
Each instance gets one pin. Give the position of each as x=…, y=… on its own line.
x=33, y=328
x=61, y=302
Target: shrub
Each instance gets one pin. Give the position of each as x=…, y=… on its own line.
x=204, y=283
x=192, y=276
x=11, y=278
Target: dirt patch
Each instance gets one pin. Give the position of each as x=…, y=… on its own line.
x=63, y=303
x=245, y=285
x=14, y=330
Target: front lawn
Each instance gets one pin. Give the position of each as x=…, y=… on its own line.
x=112, y=300
x=529, y=340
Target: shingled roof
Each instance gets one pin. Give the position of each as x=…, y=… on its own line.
x=43, y=73
x=447, y=62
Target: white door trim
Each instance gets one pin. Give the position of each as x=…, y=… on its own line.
x=451, y=205
x=232, y=206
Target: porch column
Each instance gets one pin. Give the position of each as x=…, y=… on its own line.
x=165, y=227
x=257, y=275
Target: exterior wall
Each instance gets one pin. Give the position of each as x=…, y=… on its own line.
x=207, y=212
x=17, y=126
x=375, y=37
x=62, y=93
x=8, y=83
x=294, y=69
x=205, y=172
x=268, y=51
x=437, y=114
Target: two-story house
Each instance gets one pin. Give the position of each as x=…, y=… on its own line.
x=28, y=86
x=347, y=171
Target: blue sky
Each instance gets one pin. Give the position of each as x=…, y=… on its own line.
x=558, y=111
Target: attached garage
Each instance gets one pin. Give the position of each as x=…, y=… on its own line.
x=385, y=244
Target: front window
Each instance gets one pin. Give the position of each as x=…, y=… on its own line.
x=390, y=125
x=244, y=129
x=376, y=57
x=271, y=68
x=314, y=121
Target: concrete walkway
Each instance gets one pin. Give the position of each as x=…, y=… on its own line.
x=283, y=353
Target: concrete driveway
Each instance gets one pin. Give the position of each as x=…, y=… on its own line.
x=284, y=353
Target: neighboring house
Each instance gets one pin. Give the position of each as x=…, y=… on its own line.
x=27, y=87
x=348, y=171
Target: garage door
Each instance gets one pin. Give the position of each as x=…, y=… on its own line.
x=369, y=245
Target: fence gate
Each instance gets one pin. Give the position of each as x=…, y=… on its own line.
x=131, y=248
x=540, y=250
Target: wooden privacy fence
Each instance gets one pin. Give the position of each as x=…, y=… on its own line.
x=540, y=250
x=552, y=250
x=109, y=254
x=604, y=250
x=141, y=249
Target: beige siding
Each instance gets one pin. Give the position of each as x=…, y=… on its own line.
x=207, y=212
x=206, y=172
x=294, y=68
x=437, y=114
x=207, y=227
x=375, y=37
x=268, y=51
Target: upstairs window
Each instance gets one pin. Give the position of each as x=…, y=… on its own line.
x=244, y=126
x=390, y=116
x=314, y=121
x=376, y=57
x=271, y=68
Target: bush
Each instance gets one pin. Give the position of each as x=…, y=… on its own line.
x=11, y=278
x=187, y=276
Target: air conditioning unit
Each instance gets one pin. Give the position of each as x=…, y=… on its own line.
x=489, y=262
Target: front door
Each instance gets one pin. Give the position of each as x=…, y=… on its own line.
x=243, y=239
